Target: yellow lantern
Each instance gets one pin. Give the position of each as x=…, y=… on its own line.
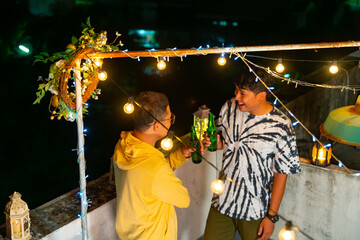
x=17, y=218
x=320, y=155
x=201, y=120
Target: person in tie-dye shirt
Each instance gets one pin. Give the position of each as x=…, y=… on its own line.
x=259, y=151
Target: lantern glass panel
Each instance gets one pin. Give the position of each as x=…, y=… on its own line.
x=320, y=156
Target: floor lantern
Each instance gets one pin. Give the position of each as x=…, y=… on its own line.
x=17, y=218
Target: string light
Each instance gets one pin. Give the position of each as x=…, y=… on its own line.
x=98, y=62
x=217, y=186
x=334, y=68
x=221, y=60
x=102, y=75
x=161, y=65
x=287, y=233
x=295, y=123
x=129, y=106
x=167, y=143
x=280, y=67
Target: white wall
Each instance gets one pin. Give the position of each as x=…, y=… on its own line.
x=101, y=224
x=322, y=202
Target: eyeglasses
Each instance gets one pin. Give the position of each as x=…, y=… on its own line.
x=172, y=118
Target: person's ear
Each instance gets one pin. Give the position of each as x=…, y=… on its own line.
x=156, y=125
x=261, y=96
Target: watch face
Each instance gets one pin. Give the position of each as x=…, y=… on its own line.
x=274, y=219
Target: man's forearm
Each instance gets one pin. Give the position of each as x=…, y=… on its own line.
x=277, y=192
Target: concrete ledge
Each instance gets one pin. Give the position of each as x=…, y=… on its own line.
x=58, y=219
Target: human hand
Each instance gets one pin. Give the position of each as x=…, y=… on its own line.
x=206, y=141
x=266, y=229
x=187, y=150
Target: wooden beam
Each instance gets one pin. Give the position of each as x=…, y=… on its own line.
x=205, y=51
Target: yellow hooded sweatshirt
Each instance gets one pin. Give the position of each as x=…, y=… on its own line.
x=147, y=190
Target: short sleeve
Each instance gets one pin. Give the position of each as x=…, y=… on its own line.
x=286, y=160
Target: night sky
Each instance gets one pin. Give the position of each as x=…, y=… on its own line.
x=37, y=156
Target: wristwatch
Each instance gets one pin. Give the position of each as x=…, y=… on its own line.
x=272, y=218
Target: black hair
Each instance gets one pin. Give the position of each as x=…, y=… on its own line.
x=247, y=80
x=153, y=102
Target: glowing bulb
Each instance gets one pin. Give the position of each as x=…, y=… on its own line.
x=333, y=68
x=286, y=234
x=102, y=75
x=98, y=62
x=129, y=108
x=221, y=61
x=280, y=67
x=217, y=186
x=167, y=144
x=161, y=65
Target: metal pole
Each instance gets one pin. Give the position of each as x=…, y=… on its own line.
x=81, y=154
x=205, y=51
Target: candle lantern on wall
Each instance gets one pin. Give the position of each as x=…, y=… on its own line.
x=201, y=119
x=17, y=218
x=321, y=155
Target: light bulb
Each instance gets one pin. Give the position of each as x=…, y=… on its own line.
x=129, y=108
x=221, y=61
x=280, y=67
x=161, y=65
x=334, y=68
x=167, y=144
x=102, y=75
x=217, y=186
x=98, y=62
x=286, y=234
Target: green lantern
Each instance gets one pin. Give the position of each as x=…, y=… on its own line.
x=201, y=120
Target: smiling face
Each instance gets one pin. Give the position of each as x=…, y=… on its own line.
x=248, y=101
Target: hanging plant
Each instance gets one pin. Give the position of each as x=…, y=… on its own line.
x=61, y=73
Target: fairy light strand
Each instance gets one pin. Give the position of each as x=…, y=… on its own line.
x=292, y=115
x=303, y=83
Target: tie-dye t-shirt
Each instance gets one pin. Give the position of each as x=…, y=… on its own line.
x=254, y=148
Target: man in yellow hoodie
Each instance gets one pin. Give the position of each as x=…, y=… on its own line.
x=146, y=186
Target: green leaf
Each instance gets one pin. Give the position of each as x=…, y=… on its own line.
x=45, y=54
x=36, y=60
x=39, y=57
x=47, y=87
x=41, y=86
x=88, y=21
x=42, y=94
x=115, y=48
x=69, y=50
x=74, y=40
